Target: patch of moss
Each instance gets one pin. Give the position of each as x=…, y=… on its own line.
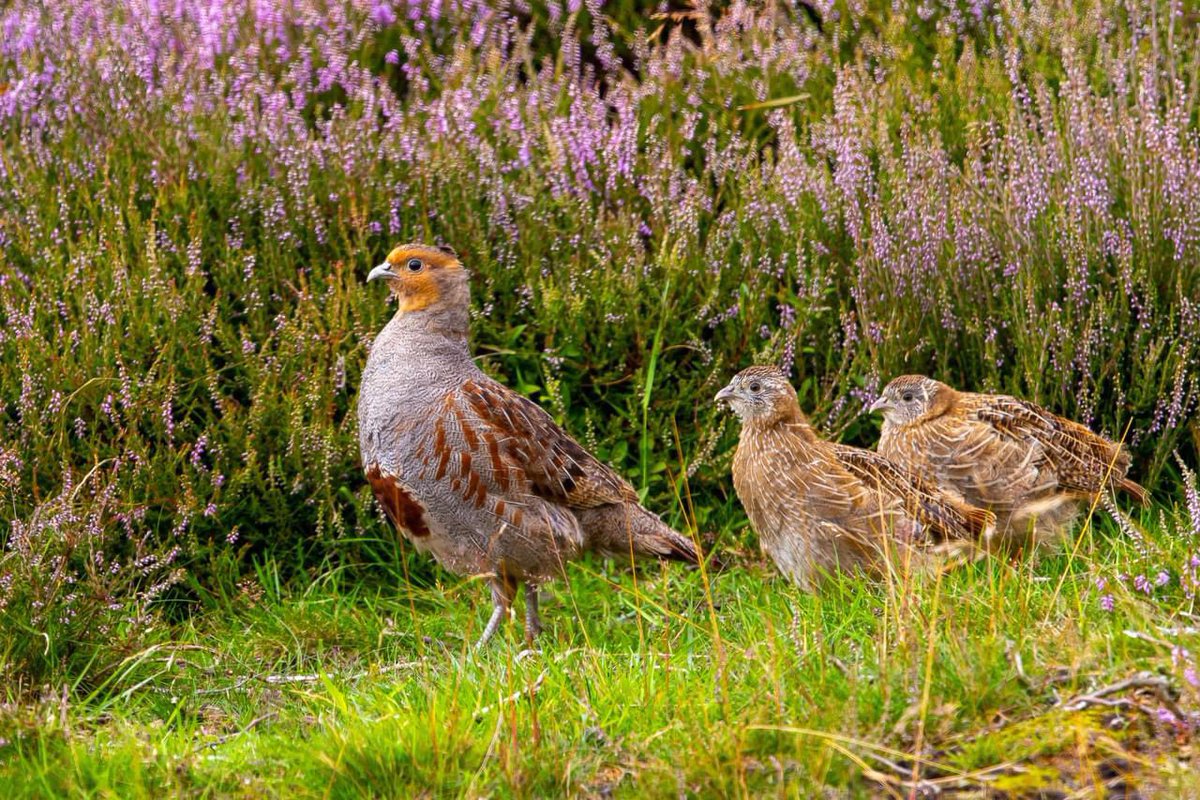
x=1037, y=743
x=1033, y=779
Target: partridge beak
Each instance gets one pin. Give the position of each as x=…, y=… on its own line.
x=724, y=394
x=384, y=270
x=882, y=404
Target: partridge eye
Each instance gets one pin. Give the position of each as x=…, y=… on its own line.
x=415, y=265
x=755, y=387
x=908, y=396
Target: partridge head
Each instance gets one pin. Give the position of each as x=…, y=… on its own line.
x=912, y=398
x=761, y=395
x=424, y=278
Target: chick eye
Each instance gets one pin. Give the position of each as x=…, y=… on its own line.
x=756, y=387
x=414, y=265
x=908, y=397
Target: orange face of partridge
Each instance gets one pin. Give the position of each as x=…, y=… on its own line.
x=415, y=274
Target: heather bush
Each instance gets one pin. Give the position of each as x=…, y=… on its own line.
x=78, y=578
x=1007, y=196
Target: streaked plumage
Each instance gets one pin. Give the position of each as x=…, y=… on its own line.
x=469, y=470
x=1032, y=467
x=818, y=506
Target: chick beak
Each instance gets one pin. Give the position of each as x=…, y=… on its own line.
x=384, y=270
x=725, y=394
x=882, y=404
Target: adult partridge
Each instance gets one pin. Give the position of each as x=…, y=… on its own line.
x=472, y=472
x=1032, y=467
x=818, y=506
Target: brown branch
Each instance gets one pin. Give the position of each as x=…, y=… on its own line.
x=1160, y=684
x=220, y=740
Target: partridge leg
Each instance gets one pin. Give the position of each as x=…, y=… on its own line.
x=493, y=625
x=533, y=623
x=502, y=597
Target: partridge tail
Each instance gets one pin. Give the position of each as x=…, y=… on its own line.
x=980, y=521
x=670, y=544
x=620, y=530
x=957, y=520
x=1136, y=491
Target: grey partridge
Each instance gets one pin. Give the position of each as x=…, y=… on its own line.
x=1032, y=467
x=472, y=472
x=820, y=507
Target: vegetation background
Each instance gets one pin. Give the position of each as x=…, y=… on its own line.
x=198, y=595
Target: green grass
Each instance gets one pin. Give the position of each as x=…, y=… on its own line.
x=729, y=684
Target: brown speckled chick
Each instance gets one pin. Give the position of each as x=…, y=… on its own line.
x=818, y=506
x=1032, y=467
x=469, y=470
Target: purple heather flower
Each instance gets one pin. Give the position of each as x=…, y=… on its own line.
x=197, y=456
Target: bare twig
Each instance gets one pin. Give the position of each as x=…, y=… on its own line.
x=512, y=698
x=1145, y=637
x=282, y=680
x=220, y=740
x=945, y=779
x=1160, y=684
x=1186, y=631
x=932, y=787
x=277, y=680
x=899, y=769
x=1085, y=700
x=239, y=683
x=1014, y=656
